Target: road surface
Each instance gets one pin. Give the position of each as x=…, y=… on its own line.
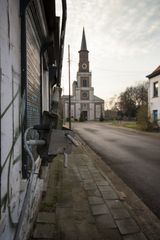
x=134, y=156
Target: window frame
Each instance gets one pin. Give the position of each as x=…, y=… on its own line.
x=155, y=89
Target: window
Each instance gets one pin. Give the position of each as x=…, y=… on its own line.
x=84, y=106
x=155, y=115
x=85, y=83
x=155, y=89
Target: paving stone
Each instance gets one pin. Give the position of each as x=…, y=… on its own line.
x=96, y=175
x=127, y=226
x=104, y=222
x=114, y=203
x=137, y=236
x=67, y=226
x=95, y=200
x=109, y=195
x=90, y=186
x=105, y=188
x=81, y=206
x=99, y=209
x=83, y=169
x=85, y=176
x=67, y=230
x=98, y=179
x=102, y=183
x=93, y=169
x=120, y=213
x=46, y=231
x=65, y=199
x=80, y=216
x=88, y=181
x=66, y=235
x=64, y=213
x=94, y=192
x=87, y=231
x=111, y=234
x=46, y=217
x=84, y=172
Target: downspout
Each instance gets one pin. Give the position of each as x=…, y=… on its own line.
x=0, y=128
x=63, y=28
x=23, y=6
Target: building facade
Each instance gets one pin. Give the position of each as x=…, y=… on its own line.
x=154, y=95
x=31, y=47
x=83, y=101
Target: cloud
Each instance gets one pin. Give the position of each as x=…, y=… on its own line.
x=119, y=27
x=117, y=31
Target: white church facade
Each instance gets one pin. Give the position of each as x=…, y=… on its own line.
x=83, y=101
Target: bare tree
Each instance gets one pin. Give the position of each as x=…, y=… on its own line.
x=132, y=99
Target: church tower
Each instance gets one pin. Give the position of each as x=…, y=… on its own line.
x=84, y=80
x=84, y=104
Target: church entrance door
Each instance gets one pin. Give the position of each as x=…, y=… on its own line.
x=85, y=115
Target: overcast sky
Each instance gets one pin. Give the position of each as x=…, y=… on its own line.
x=123, y=39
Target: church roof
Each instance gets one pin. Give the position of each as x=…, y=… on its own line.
x=155, y=73
x=98, y=99
x=83, y=43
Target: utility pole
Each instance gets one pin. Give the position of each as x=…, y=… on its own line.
x=69, y=79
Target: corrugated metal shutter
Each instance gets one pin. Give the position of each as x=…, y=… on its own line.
x=33, y=77
x=33, y=81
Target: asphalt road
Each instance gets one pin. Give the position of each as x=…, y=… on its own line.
x=134, y=156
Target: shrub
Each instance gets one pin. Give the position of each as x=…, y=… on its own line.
x=142, y=118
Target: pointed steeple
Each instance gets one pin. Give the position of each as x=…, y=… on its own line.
x=83, y=43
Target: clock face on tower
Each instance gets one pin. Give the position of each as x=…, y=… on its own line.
x=84, y=65
x=85, y=95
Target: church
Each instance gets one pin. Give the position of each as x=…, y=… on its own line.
x=83, y=101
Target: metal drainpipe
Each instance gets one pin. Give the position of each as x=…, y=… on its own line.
x=61, y=49
x=23, y=6
x=0, y=129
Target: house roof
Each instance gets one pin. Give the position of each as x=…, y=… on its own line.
x=155, y=73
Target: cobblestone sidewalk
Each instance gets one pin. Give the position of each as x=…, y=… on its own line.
x=82, y=204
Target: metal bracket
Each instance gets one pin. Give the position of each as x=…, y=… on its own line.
x=61, y=142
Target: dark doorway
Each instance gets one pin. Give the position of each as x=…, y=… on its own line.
x=84, y=115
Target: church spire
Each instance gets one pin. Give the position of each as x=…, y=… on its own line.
x=83, y=43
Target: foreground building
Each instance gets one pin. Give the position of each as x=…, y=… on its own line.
x=31, y=50
x=154, y=95
x=83, y=101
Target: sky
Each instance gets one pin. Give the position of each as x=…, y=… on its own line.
x=123, y=39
